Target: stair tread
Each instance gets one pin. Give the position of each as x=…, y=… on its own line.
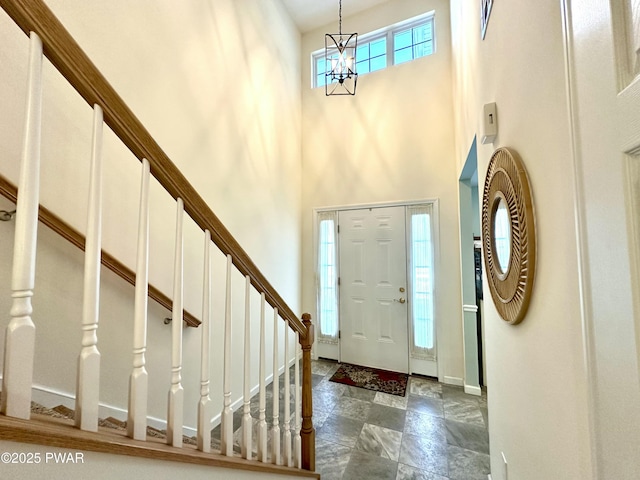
x=62, y=411
x=45, y=430
x=116, y=424
x=116, y=421
x=66, y=411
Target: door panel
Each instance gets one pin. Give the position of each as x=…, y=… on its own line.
x=605, y=113
x=372, y=271
x=626, y=37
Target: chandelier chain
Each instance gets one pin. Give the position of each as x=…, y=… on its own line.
x=340, y=17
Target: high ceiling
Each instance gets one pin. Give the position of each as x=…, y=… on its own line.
x=311, y=14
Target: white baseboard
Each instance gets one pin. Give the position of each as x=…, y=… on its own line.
x=215, y=421
x=50, y=397
x=472, y=390
x=453, y=381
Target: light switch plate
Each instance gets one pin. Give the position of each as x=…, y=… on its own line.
x=489, y=123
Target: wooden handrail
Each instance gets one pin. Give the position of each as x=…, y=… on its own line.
x=71, y=61
x=66, y=231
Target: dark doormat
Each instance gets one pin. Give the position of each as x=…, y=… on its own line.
x=371, y=379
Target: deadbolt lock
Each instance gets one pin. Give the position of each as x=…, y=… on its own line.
x=401, y=289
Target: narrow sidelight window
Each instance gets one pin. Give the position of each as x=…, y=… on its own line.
x=327, y=278
x=421, y=278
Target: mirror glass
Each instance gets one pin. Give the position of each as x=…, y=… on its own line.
x=502, y=235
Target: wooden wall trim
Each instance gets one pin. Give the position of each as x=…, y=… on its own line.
x=71, y=61
x=66, y=231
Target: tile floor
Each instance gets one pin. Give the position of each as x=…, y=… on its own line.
x=436, y=432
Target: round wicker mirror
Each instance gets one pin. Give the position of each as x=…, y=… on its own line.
x=508, y=235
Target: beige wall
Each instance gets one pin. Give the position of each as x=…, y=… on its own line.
x=387, y=143
x=218, y=85
x=238, y=134
x=537, y=378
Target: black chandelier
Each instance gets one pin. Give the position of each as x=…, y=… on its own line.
x=340, y=56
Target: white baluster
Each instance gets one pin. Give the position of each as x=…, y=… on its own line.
x=20, y=334
x=226, y=430
x=262, y=422
x=247, y=421
x=176, y=393
x=287, y=401
x=204, y=406
x=138, y=381
x=297, y=441
x=275, y=429
x=88, y=377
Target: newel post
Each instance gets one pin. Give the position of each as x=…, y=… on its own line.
x=307, y=433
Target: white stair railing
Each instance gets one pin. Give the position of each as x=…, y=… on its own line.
x=275, y=428
x=287, y=460
x=139, y=381
x=205, y=404
x=226, y=430
x=20, y=334
x=247, y=421
x=88, y=377
x=262, y=420
x=176, y=393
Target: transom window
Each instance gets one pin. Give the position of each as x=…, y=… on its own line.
x=392, y=45
x=371, y=56
x=413, y=43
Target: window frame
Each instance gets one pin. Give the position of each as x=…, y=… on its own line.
x=388, y=32
x=369, y=40
x=327, y=215
x=432, y=210
x=410, y=26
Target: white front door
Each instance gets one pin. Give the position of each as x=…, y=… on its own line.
x=373, y=288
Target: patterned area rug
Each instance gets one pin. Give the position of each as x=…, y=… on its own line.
x=371, y=379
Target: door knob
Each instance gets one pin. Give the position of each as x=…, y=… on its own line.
x=401, y=300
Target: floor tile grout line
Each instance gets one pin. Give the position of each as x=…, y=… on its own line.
x=336, y=395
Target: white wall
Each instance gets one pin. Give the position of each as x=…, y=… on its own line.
x=538, y=386
x=392, y=141
x=217, y=85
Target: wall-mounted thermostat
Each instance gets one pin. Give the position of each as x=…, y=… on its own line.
x=489, y=123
